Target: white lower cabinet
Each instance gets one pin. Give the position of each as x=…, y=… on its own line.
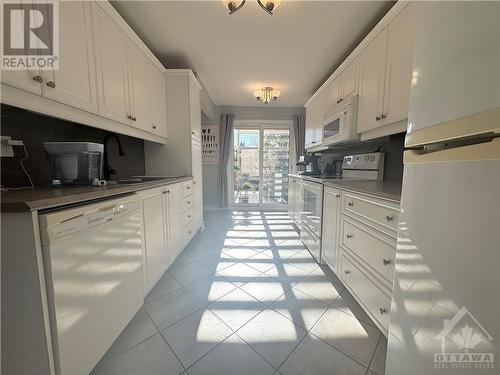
x=169, y=223
x=359, y=245
x=174, y=214
x=154, y=210
x=331, y=210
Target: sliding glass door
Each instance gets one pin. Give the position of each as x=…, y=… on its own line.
x=261, y=163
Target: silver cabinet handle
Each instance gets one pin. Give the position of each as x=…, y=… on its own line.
x=51, y=84
x=338, y=101
x=377, y=118
x=188, y=202
x=383, y=116
x=154, y=127
x=167, y=191
x=192, y=133
x=349, y=235
x=382, y=310
x=194, y=182
x=130, y=117
x=347, y=272
x=386, y=262
x=337, y=195
x=341, y=100
x=389, y=218
x=38, y=78
x=350, y=204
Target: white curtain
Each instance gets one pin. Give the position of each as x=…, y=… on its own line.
x=226, y=132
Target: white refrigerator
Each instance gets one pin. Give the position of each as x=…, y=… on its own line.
x=445, y=313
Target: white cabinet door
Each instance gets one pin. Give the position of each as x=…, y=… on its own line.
x=309, y=131
x=334, y=93
x=158, y=89
x=372, y=83
x=195, y=109
x=197, y=182
x=321, y=109
x=74, y=83
x=399, y=66
x=350, y=80
x=139, y=93
x=174, y=221
x=331, y=209
x=154, y=237
x=27, y=80
x=111, y=65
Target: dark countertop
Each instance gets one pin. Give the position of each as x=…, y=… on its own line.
x=381, y=189
x=41, y=198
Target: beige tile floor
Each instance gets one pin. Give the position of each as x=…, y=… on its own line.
x=245, y=297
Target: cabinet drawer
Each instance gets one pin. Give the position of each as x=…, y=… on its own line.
x=368, y=293
x=380, y=212
x=186, y=203
x=187, y=217
x=186, y=188
x=375, y=248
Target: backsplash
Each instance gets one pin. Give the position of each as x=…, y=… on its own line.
x=392, y=146
x=34, y=129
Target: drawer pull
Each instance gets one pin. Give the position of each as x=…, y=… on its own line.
x=38, y=78
x=389, y=218
x=349, y=236
x=347, y=272
x=51, y=84
x=337, y=195
x=382, y=311
x=189, y=216
x=188, y=202
x=386, y=262
x=189, y=187
x=350, y=204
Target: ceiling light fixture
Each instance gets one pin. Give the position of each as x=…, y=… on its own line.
x=266, y=94
x=268, y=5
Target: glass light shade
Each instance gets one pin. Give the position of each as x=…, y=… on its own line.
x=257, y=93
x=276, y=93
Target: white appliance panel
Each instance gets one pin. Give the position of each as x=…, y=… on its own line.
x=448, y=257
x=94, y=263
x=456, y=62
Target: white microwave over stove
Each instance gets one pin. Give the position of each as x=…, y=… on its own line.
x=340, y=125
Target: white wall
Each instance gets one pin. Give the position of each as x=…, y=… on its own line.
x=211, y=172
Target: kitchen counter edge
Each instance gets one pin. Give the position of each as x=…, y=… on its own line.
x=380, y=189
x=57, y=197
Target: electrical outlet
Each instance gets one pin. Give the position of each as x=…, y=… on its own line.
x=6, y=146
x=6, y=151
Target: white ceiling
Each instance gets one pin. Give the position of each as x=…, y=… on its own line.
x=294, y=50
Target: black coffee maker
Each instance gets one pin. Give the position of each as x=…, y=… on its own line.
x=309, y=165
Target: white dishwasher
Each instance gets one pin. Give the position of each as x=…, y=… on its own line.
x=93, y=262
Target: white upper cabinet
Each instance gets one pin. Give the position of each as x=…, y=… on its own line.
x=386, y=74
x=158, y=102
x=334, y=92
x=111, y=61
x=139, y=92
x=74, y=82
x=399, y=66
x=195, y=109
x=371, y=93
x=106, y=78
x=379, y=70
x=350, y=80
